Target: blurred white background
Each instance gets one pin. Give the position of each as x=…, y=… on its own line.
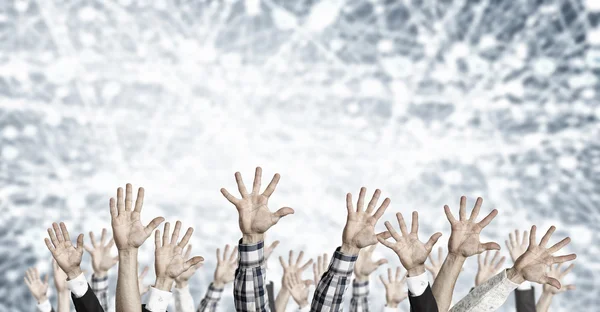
x=426, y=100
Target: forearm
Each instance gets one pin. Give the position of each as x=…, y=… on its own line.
x=543, y=304
x=211, y=298
x=64, y=301
x=443, y=286
x=249, y=287
x=360, y=295
x=282, y=299
x=128, y=293
x=100, y=288
x=334, y=281
x=488, y=296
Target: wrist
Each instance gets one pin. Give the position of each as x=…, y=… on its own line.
x=73, y=273
x=218, y=284
x=42, y=299
x=361, y=278
x=455, y=256
x=100, y=274
x=126, y=253
x=163, y=283
x=303, y=303
x=416, y=271
x=181, y=284
x=252, y=238
x=392, y=305
x=515, y=276
x=348, y=249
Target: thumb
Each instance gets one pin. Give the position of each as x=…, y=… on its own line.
x=381, y=261
x=488, y=246
x=569, y=287
x=46, y=279
x=551, y=281
x=282, y=212
x=193, y=261
x=432, y=240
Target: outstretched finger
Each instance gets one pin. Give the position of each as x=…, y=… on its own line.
x=53, y=237
x=384, y=242
x=128, y=196
x=103, y=237
x=361, y=199
x=373, y=201
x=414, y=227
x=79, y=246
x=229, y=197
x=272, y=185
x=186, y=238
x=381, y=210
x=233, y=255
x=349, y=204
x=157, y=243
x=517, y=237
x=93, y=239
x=525, y=238
x=567, y=270
x=65, y=232
x=449, y=215
x=499, y=264
x=113, y=208
x=306, y=265
x=88, y=248
x=153, y=225
x=283, y=265
x=110, y=243
x=565, y=258
x=382, y=280
x=257, y=180
x=432, y=241
x=175, y=234
x=139, y=201
x=391, y=230
x=219, y=255
x=558, y=246
x=188, y=252
x=282, y=212
x=476, y=208
x=167, y=230
x=546, y=237
x=488, y=246
x=488, y=218
x=440, y=255
x=462, y=212
x=397, y=273
x=381, y=262
x=59, y=236
x=389, y=271
x=240, y=184
x=532, y=237
x=120, y=202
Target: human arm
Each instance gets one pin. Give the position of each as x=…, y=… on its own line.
x=394, y=289
x=549, y=291
x=129, y=234
x=254, y=219
x=486, y=269
x=223, y=275
x=463, y=243
x=359, y=232
x=363, y=268
x=102, y=262
x=38, y=289
x=292, y=271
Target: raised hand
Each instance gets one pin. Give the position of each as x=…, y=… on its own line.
x=320, y=267
x=102, y=261
x=183, y=278
x=168, y=259
x=486, y=268
x=535, y=263
x=436, y=265
x=143, y=287
x=128, y=231
x=394, y=288
x=558, y=274
x=464, y=238
x=359, y=231
x=293, y=267
x=60, y=278
x=297, y=288
x=37, y=287
x=516, y=246
x=255, y=218
x=411, y=251
x=365, y=265
x=67, y=256
x=226, y=266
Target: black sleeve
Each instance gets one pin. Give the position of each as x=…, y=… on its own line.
x=271, y=296
x=423, y=303
x=525, y=300
x=88, y=303
x=146, y=310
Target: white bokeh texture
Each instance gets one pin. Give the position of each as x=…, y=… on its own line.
x=427, y=100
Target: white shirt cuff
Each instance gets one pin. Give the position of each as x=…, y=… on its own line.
x=78, y=285
x=158, y=300
x=526, y=285
x=305, y=309
x=388, y=309
x=44, y=306
x=417, y=284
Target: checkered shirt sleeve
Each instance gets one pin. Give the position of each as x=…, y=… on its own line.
x=100, y=288
x=329, y=294
x=211, y=299
x=249, y=286
x=360, y=296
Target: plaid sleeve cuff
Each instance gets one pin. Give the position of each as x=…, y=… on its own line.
x=99, y=283
x=342, y=264
x=251, y=255
x=213, y=293
x=360, y=289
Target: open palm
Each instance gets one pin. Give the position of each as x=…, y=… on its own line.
x=254, y=215
x=169, y=261
x=128, y=230
x=67, y=256
x=359, y=231
x=464, y=238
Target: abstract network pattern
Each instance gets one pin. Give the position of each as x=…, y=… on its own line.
x=425, y=99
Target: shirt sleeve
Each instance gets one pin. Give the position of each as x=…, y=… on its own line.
x=158, y=300
x=78, y=286
x=305, y=309
x=329, y=294
x=488, y=296
x=100, y=288
x=388, y=309
x=249, y=287
x=360, y=297
x=183, y=299
x=44, y=306
x=526, y=285
x=417, y=284
x=211, y=299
